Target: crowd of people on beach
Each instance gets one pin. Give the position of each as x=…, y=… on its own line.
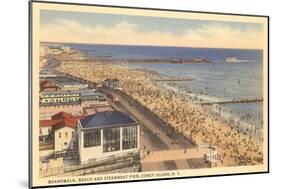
x=186, y=117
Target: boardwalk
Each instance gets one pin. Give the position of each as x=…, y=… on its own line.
x=175, y=159
x=150, y=122
x=180, y=154
x=157, y=137
x=164, y=152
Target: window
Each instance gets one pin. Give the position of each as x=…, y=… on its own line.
x=66, y=134
x=72, y=133
x=111, y=139
x=65, y=143
x=40, y=131
x=59, y=134
x=129, y=137
x=92, y=138
x=49, y=131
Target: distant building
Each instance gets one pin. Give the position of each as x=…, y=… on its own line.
x=44, y=50
x=112, y=83
x=45, y=74
x=73, y=101
x=105, y=134
x=90, y=98
x=56, y=97
x=42, y=61
x=55, y=50
x=65, y=48
x=86, y=96
x=97, y=108
x=65, y=83
x=46, y=85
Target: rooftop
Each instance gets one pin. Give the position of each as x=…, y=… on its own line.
x=61, y=115
x=82, y=92
x=107, y=119
x=48, y=123
x=65, y=81
x=88, y=92
x=60, y=120
x=60, y=92
x=47, y=84
x=68, y=122
x=47, y=72
x=111, y=79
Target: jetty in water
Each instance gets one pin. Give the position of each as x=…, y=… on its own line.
x=175, y=79
x=235, y=101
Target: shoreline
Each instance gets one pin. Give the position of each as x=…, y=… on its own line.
x=110, y=59
x=235, y=148
x=219, y=112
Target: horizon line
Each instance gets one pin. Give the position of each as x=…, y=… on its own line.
x=150, y=45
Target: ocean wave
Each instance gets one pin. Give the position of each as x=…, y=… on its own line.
x=216, y=109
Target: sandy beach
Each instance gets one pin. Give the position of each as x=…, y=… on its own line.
x=234, y=147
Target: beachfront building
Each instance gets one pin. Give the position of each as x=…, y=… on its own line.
x=46, y=85
x=45, y=74
x=55, y=49
x=42, y=61
x=65, y=48
x=91, y=98
x=112, y=83
x=72, y=86
x=58, y=134
x=105, y=134
x=97, y=108
x=44, y=50
x=56, y=97
x=73, y=101
x=86, y=96
x=65, y=83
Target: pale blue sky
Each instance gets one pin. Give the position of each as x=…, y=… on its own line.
x=144, y=24
x=82, y=27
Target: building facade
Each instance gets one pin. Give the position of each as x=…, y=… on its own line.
x=46, y=85
x=66, y=83
x=46, y=111
x=87, y=97
x=56, y=97
x=59, y=133
x=91, y=98
x=74, y=101
x=65, y=138
x=106, y=134
x=112, y=83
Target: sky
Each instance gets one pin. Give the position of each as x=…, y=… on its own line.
x=97, y=28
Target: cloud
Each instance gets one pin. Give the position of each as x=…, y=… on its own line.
x=211, y=35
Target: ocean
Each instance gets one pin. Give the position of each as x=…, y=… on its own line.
x=217, y=81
